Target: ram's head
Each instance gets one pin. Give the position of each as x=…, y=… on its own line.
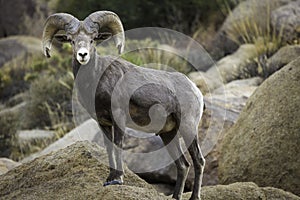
x=83, y=34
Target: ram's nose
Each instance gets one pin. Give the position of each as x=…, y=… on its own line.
x=83, y=56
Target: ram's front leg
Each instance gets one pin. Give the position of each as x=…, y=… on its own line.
x=113, y=142
x=108, y=141
x=118, y=141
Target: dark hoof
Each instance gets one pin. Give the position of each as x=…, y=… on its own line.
x=114, y=182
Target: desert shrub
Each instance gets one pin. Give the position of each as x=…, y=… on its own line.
x=12, y=78
x=260, y=33
x=49, y=82
x=17, y=74
x=147, y=51
x=9, y=124
x=158, y=59
x=252, y=25
x=49, y=102
x=33, y=24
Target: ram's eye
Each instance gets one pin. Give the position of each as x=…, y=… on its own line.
x=92, y=41
x=73, y=42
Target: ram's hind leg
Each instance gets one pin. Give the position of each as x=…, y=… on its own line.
x=191, y=140
x=171, y=140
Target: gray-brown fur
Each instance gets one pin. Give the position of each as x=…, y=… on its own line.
x=104, y=83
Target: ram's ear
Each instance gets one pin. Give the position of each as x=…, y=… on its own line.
x=102, y=36
x=62, y=38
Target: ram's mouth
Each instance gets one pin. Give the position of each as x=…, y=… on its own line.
x=83, y=61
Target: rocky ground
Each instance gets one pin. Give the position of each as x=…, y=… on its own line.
x=79, y=171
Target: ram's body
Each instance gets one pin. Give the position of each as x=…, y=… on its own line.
x=119, y=94
x=123, y=81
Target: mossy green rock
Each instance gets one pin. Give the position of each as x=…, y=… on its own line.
x=264, y=144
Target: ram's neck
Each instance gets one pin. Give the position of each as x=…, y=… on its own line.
x=76, y=65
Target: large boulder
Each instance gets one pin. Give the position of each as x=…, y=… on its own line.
x=248, y=18
x=263, y=145
x=22, y=18
x=227, y=69
x=88, y=131
x=285, y=21
x=7, y=164
x=281, y=58
x=232, y=66
x=12, y=16
x=29, y=141
x=17, y=47
x=75, y=172
x=243, y=191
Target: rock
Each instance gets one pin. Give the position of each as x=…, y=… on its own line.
x=239, y=89
x=263, y=145
x=285, y=21
x=16, y=110
x=273, y=193
x=245, y=20
x=134, y=147
x=134, y=144
x=281, y=58
x=17, y=99
x=223, y=107
x=21, y=18
x=232, y=66
x=206, y=82
x=9, y=25
x=166, y=189
x=149, y=149
x=75, y=172
x=30, y=141
x=246, y=190
x=32, y=135
x=17, y=46
x=227, y=69
x=88, y=130
x=7, y=164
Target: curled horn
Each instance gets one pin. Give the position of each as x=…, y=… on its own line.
x=107, y=19
x=55, y=23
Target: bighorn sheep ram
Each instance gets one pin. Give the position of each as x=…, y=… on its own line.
x=174, y=92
